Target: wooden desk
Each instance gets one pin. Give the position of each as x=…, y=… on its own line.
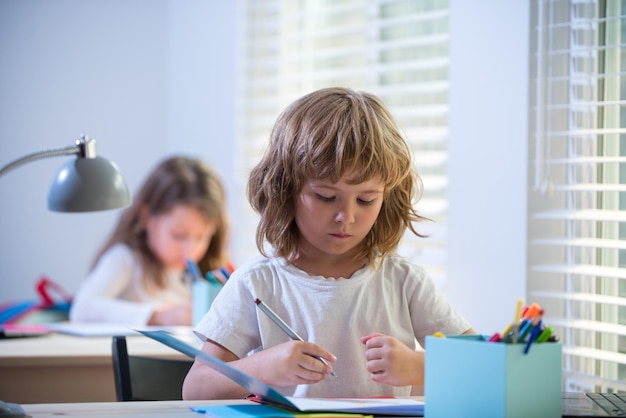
x=122, y=409
x=59, y=368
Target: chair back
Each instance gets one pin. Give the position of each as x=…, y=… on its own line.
x=142, y=378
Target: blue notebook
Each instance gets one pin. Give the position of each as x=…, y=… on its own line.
x=266, y=394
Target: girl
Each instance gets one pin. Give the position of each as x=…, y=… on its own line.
x=335, y=191
x=138, y=276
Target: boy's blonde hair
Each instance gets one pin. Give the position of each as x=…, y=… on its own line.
x=326, y=135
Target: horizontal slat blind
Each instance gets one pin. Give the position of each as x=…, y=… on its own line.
x=397, y=49
x=577, y=221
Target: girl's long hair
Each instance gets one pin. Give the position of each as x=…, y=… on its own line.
x=175, y=181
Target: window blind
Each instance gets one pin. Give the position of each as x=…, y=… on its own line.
x=397, y=49
x=577, y=222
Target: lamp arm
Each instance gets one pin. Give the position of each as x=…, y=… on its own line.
x=73, y=149
x=85, y=147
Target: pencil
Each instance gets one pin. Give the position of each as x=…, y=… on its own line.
x=286, y=328
x=517, y=319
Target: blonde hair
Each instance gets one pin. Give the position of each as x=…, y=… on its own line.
x=174, y=181
x=325, y=135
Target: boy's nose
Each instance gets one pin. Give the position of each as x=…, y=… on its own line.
x=345, y=215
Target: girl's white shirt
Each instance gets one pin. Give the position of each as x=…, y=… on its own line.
x=399, y=299
x=114, y=291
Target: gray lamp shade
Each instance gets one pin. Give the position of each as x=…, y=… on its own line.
x=88, y=184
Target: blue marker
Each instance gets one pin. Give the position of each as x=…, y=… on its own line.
x=225, y=272
x=534, y=333
x=193, y=269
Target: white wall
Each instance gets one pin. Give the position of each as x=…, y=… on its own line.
x=488, y=159
x=150, y=77
x=146, y=78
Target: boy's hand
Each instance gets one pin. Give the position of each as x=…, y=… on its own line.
x=392, y=362
x=292, y=363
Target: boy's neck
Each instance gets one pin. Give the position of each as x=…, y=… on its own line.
x=340, y=267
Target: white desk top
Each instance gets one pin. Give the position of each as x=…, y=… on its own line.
x=122, y=409
x=62, y=349
x=129, y=409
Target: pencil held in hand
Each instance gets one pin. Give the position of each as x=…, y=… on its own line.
x=286, y=328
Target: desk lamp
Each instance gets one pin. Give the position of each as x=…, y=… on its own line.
x=85, y=184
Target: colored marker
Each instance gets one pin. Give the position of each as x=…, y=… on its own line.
x=534, y=334
x=545, y=335
x=532, y=310
x=193, y=269
x=528, y=326
x=213, y=278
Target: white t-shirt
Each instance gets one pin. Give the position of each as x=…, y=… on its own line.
x=114, y=292
x=399, y=299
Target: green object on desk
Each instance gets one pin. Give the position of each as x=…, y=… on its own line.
x=466, y=376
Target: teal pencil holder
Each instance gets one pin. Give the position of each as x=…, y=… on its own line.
x=203, y=293
x=466, y=376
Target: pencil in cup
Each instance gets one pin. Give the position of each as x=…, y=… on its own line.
x=286, y=328
x=518, y=316
x=194, y=270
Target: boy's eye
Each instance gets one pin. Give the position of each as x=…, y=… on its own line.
x=325, y=198
x=362, y=202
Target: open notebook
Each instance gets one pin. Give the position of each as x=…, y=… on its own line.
x=267, y=394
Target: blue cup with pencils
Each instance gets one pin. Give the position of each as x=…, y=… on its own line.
x=515, y=373
x=204, y=288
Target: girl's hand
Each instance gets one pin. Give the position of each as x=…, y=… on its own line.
x=392, y=362
x=176, y=315
x=292, y=363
